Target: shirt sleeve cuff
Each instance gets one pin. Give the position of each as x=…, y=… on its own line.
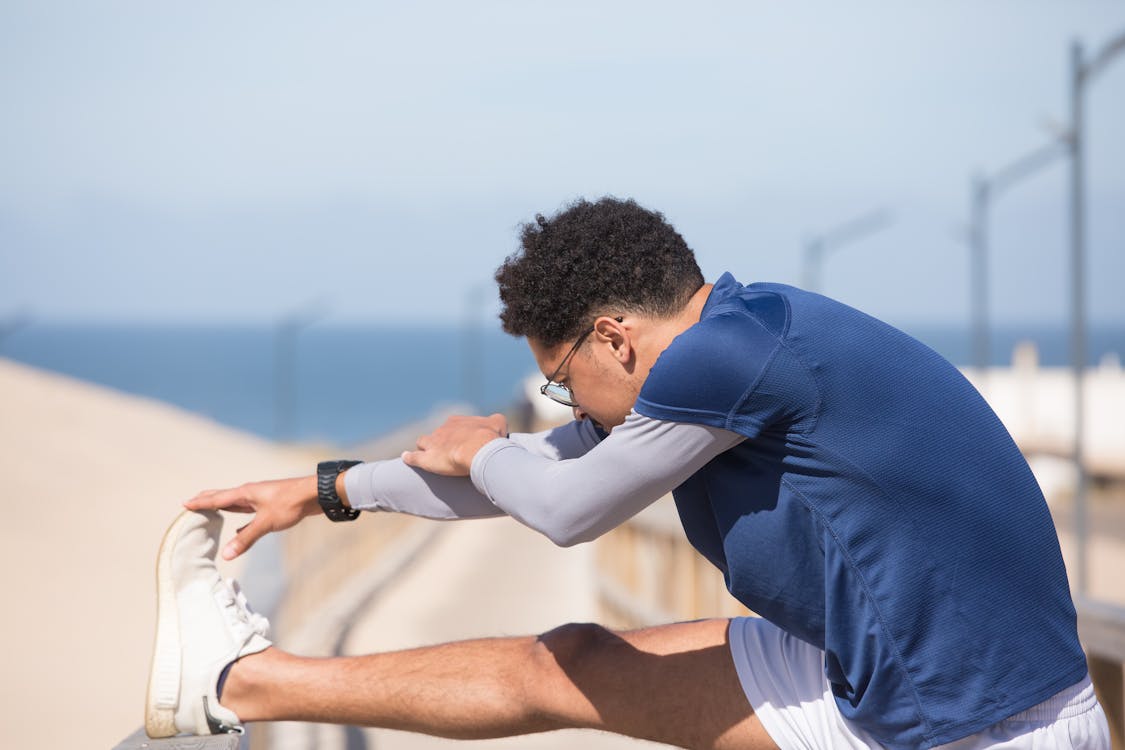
x=357, y=483
x=480, y=461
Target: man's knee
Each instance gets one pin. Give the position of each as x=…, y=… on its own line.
x=563, y=660
x=569, y=646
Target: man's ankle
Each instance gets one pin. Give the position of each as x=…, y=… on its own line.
x=238, y=685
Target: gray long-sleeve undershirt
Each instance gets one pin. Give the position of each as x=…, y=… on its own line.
x=563, y=482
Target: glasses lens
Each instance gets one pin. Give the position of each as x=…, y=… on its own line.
x=558, y=392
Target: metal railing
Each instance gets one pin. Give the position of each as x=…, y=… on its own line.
x=1102, y=630
x=138, y=740
x=647, y=573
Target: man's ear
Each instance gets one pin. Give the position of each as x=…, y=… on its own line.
x=617, y=334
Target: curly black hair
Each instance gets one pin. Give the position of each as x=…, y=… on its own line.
x=590, y=259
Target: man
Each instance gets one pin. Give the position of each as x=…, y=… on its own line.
x=852, y=487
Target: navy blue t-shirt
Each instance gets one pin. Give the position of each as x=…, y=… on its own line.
x=878, y=510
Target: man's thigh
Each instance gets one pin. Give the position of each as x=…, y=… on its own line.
x=672, y=683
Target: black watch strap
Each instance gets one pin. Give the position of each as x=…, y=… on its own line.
x=330, y=503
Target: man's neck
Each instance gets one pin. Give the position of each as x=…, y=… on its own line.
x=694, y=308
x=661, y=332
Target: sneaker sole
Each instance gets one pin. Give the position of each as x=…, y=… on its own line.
x=162, y=697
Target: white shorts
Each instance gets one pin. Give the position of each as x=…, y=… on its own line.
x=783, y=678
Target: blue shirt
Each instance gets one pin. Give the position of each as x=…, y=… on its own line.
x=878, y=510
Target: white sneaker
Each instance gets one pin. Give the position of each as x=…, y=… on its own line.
x=203, y=623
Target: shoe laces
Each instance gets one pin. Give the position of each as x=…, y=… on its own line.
x=242, y=619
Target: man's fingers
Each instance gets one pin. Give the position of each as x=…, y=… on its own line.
x=200, y=501
x=435, y=463
x=420, y=459
x=233, y=499
x=499, y=423
x=244, y=539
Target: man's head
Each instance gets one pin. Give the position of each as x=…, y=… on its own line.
x=592, y=259
x=608, y=284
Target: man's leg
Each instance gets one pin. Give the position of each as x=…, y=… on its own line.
x=675, y=684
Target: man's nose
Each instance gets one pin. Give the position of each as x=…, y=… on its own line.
x=579, y=414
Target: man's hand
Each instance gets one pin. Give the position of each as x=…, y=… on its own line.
x=449, y=449
x=277, y=505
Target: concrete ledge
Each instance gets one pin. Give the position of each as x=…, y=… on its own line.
x=1102, y=630
x=138, y=740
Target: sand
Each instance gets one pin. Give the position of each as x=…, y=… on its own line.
x=92, y=478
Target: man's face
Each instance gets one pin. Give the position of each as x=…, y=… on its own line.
x=604, y=388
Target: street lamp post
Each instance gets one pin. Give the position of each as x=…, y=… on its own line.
x=285, y=367
x=1081, y=73
x=472, y=346
x=13, y=323
x=984, y=190
x=978, y=273
x=817, y=247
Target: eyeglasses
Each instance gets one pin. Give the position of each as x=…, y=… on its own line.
x=557, y=391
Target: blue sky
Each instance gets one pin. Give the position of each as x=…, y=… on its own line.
x=233, y=162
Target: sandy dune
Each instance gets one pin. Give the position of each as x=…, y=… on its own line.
x=92, y=478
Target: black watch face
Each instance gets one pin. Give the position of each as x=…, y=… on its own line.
x=330, y=503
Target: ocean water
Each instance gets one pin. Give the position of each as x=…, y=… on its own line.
x=341, y=385
x=347, y=384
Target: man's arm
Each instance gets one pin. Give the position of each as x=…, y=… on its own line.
x=394, y=486
x=577, y=500
x=568, y=499
x=564, y=483
x=381, y=485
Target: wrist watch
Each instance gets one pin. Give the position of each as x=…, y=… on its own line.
x=330, y=503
